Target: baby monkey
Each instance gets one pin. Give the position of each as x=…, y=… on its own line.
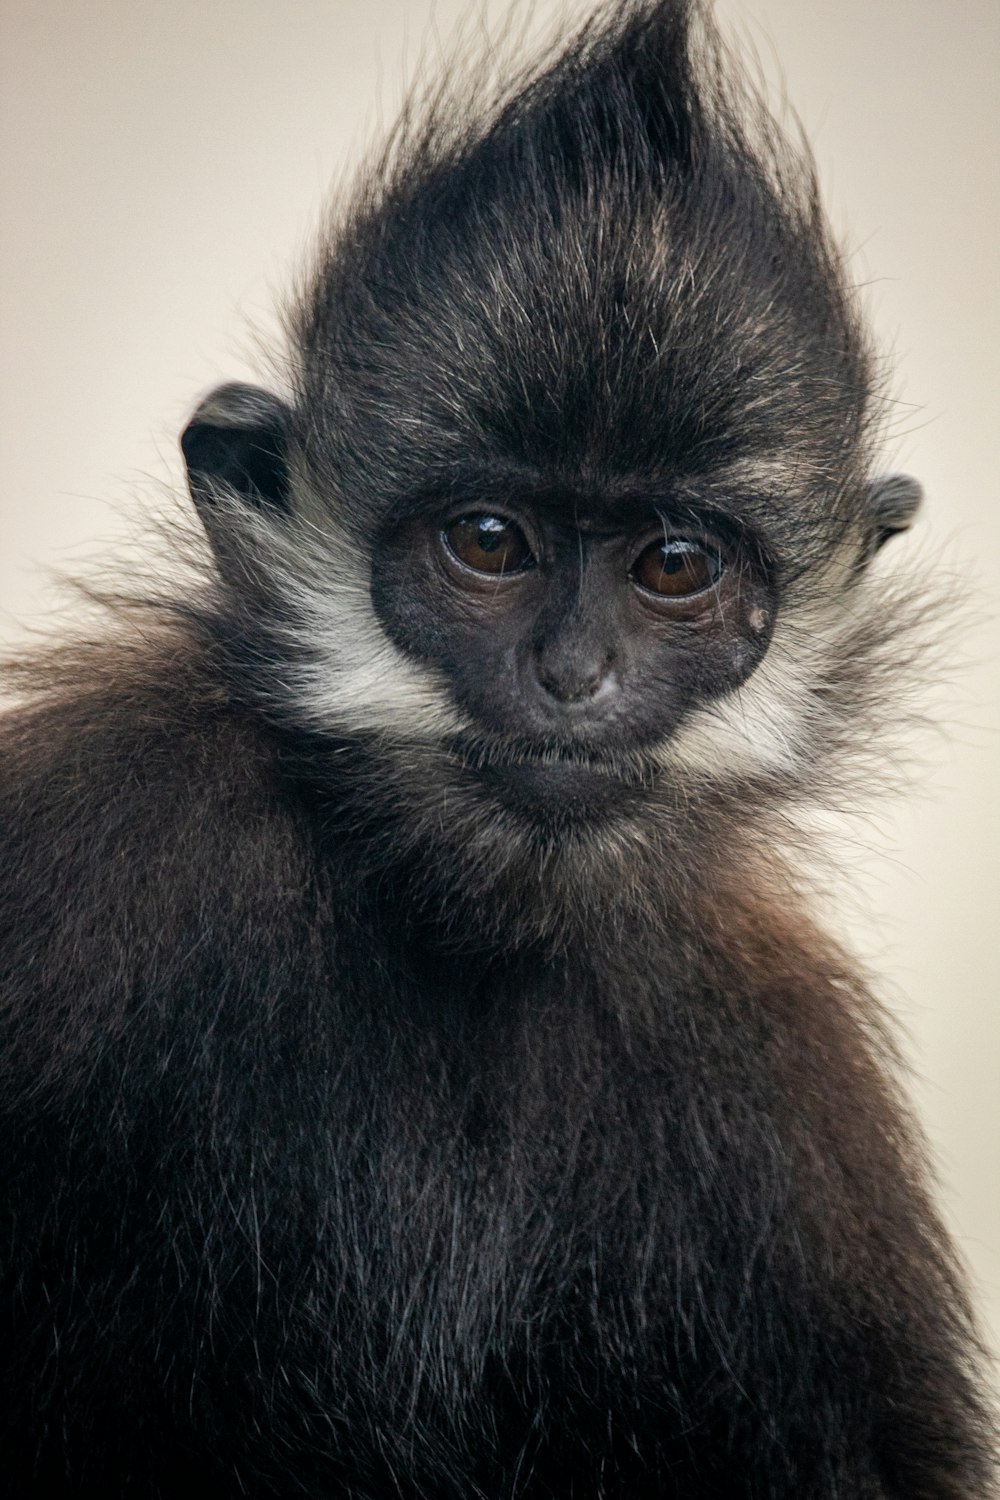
x=423, y=1074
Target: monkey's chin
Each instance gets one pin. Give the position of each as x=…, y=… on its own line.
x=560, y=790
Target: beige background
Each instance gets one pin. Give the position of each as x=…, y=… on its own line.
x=163, y=167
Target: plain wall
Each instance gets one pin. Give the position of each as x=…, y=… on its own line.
x=164, y=165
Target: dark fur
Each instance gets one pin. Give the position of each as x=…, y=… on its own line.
x=365, y=1135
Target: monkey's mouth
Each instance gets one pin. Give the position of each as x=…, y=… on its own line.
x=486, y=752
x=542, y=777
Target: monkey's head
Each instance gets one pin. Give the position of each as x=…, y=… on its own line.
x=571, y=510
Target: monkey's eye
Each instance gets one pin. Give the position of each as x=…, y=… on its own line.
x=674, y=568
x=488, y=544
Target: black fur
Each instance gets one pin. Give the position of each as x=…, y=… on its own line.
x=414, y=1087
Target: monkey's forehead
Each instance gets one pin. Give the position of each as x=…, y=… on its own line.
x=639, y=329
x=619, y=270
x=581, y=353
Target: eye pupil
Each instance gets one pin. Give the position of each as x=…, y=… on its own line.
x=676, y=568
x=488, y=544
x=491, y=533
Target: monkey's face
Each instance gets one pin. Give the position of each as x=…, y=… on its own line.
x=554, y=649
x=573, y=633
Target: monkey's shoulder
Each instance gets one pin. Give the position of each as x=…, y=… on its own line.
x=121, y=748
x=147, y=845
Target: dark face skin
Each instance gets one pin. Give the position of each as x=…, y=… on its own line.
x=574, y=636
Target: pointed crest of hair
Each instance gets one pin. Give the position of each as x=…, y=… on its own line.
x=528, y=268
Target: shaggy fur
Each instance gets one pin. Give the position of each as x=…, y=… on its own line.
x=370, y=1131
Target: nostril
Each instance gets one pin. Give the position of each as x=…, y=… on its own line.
x=574, y=682
x=571, y=692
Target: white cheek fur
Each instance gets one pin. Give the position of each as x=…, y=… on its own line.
x=786, y=718
x=774, y=721
x=352, y=677
x=344, y=673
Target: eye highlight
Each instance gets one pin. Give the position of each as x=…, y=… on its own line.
x=488, y=543
x=675, y=568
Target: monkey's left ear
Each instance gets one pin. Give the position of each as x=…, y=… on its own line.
x=893, y=501
x=236, y=441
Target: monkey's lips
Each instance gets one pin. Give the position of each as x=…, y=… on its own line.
x=569, y=781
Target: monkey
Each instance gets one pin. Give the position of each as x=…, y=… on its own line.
x=424, y=1073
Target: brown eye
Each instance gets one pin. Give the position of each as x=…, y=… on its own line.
x=675, y=568
x=488, y=544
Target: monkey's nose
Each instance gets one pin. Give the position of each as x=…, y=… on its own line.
x=572, y=679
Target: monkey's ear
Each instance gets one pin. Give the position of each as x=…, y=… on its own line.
x=236, y=441
x=893, y=501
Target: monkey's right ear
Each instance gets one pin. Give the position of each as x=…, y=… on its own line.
x=236, y=441
x=893, y=501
